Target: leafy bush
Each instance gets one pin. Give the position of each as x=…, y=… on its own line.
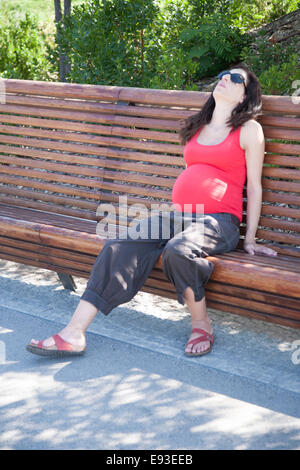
x=174, y=71
x=215, y=44
x=148, y=43
x=105, y=42
x=278, y=79
x=281, y=7
x=171, y=66
x=275, y=64
x=263, y=54
x=23, y=50
x=248, y=14
x=137, y=43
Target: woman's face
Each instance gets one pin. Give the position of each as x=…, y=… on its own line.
x=229, y=91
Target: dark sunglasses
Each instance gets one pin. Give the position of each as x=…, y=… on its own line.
x=235, y=77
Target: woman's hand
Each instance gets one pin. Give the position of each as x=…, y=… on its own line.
x=253, y=248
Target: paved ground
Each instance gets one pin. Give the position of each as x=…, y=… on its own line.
x=134, y=388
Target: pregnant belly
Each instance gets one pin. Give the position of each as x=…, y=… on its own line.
x=200, y=185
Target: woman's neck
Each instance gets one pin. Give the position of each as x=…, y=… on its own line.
x=221, y=114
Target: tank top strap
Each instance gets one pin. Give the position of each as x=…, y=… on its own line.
x=235, y=136
x=238, y=137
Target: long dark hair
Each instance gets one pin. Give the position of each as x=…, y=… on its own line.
x=250, y=108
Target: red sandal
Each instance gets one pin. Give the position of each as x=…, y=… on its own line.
x=63, y=348
x=205, y=336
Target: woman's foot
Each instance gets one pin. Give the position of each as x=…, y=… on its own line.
x=68, y=342
x=201, y=339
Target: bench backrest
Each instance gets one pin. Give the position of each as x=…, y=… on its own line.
x=66, y=148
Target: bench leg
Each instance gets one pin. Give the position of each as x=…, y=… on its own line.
x=67, y=281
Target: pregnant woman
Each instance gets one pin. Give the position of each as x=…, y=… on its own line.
x=223, y=146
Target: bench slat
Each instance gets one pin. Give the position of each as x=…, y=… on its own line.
x=283, y=173
x=72, y=180
x=58, y=253
x=265, y=305
x=283, y=160
x=228, y=308
x=280, y=224
x=65, y=120
x=281, y=133
x=70, y=190
x=119, y=116
x=265, y=261
x=93, y=150
x=253, y=314
x=292, y=149
x=278, y=236
x=281, y=185
x=146, y=96
x=262, y=297
x=99, y=173
x=92, y=139
x=272, y=196
x=98, y=107
x=103, y=172
x=280, y=211
x=57, y=89
x=49, y=206
x=5, y=177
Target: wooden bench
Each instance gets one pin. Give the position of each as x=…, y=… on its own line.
x=66, y=148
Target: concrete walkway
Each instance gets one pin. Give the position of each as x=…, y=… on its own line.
x=134, y=388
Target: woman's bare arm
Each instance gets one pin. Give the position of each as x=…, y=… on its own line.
x=254, y=143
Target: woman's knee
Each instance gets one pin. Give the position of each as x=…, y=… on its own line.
x=173, y=252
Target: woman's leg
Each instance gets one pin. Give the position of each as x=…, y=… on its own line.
x=74, y=331
x=186, y=266
x=200, y=319
x=119, y=271
x=189, y=271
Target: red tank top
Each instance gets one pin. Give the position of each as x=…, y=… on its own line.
x=215, y=177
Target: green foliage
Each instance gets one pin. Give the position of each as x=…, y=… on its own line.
x=275, y=64
x=172, y=68
x=279, y=78
x=43, y=10
x=145, y=43
x=106, y=42
x=137, y=43
x=22, y=50
x=282, y=7
x=174, y=71
x=215, y=44
x=249, y=14
x=263, y=54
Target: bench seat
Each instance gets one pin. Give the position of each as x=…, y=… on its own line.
x=241, y=283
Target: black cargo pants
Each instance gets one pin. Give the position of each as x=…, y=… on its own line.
x=124, y=264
